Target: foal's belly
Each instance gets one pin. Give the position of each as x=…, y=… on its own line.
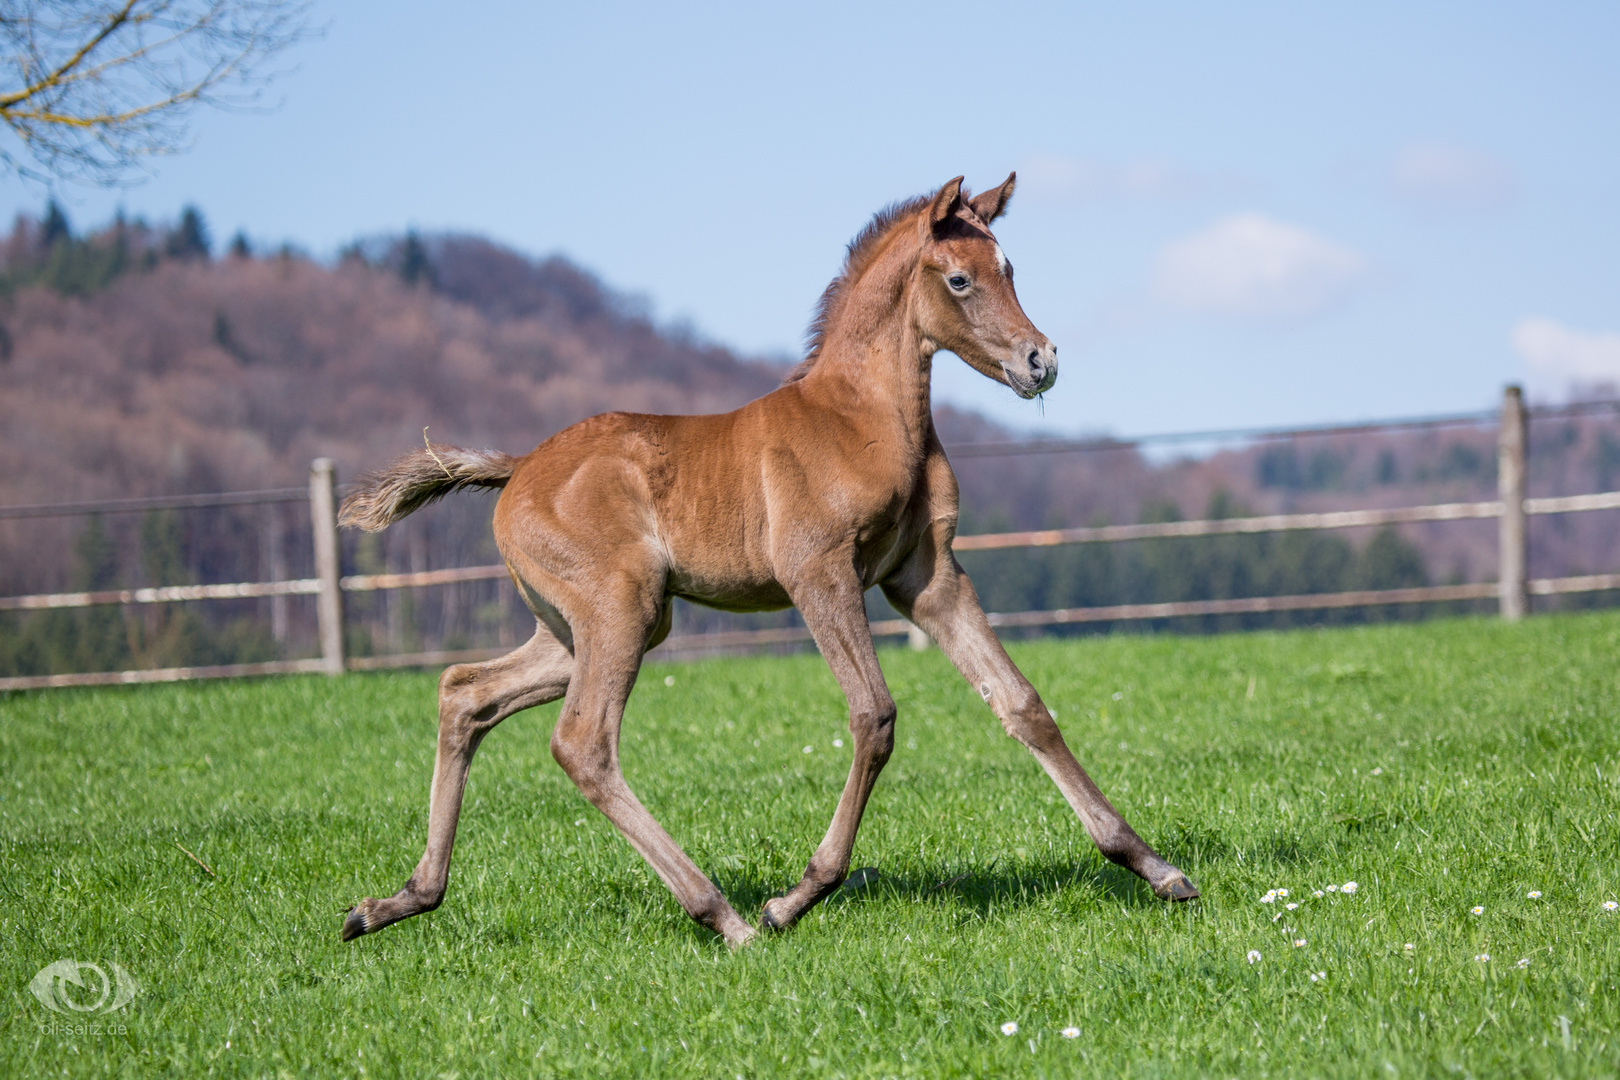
x=773, y=598
x=730, y=594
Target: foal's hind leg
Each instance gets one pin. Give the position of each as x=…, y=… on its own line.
x=586, y=744
x=835, y=610
x=473, y=698
x=932, y=591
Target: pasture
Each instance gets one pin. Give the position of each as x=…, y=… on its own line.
x=1442, y=767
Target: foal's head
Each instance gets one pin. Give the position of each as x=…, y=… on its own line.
x=964, y=292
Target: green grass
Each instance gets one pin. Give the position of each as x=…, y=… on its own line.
x=1251, y=761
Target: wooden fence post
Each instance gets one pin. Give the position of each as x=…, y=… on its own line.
x=329, y=601
x=1512, y=548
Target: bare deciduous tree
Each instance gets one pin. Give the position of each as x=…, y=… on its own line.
x=91, y=88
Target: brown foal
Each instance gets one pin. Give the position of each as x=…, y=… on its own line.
x=809, y=496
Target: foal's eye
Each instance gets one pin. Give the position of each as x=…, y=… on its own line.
x=958, y=282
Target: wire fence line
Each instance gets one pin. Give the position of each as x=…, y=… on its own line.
x=1512, y=589
x=1268, y=434
x=157, y=502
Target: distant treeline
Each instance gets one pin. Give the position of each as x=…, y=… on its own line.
x=48, y=252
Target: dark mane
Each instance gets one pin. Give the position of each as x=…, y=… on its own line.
x=856, y=259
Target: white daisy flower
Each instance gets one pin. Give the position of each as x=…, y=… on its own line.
x=1254, y=956
x=1378, y=770
x=1533, y=894
x=1283, y=893
x=1483, y=958
x=1318, y=894
x=1610, y=905
x=1524, y=962
x=1333, y=888
x=1070, y=1033
x=1299, y=943
x=669, y=680
x=1409, y=946
x=1477, y=909
x=1269, y=897
x=838, y=744
x=1318, y=976
x=1010, y=1028
x=809, y=749
x=1291, y=907
x=1349, y=887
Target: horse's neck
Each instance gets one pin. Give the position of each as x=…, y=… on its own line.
x=882, y=384
x=874, y=364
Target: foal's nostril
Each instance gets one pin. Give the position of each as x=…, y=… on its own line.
x=1034, y=358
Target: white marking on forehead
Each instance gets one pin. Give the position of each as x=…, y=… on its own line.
x=1001, y=260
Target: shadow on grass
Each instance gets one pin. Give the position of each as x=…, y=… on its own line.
x=976, y=892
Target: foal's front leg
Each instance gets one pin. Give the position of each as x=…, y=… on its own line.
x=835, y=610
x=933, y=592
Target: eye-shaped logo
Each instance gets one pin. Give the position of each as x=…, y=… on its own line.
x=97, y=992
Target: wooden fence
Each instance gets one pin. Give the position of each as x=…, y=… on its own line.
x=1512, y=589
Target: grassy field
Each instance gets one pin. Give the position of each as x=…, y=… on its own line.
x=1442, y=767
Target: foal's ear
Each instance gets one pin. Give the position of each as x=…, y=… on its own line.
x=991, y=204
x=946, y=202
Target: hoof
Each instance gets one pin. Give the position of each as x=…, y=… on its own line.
x=1177, y=888
x=354, y=923
x=771, y=920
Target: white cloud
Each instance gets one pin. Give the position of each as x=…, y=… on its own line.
x=1443, y=175
x=1554, y=351
x=1253, y=266
x=1057, y=179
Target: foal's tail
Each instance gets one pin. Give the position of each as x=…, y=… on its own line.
x=411, y=482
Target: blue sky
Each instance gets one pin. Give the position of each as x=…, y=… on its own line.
x=1228, y=214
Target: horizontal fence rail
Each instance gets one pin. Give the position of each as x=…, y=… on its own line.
x=1512, y=589
x=1336, y=519
x=248, y=590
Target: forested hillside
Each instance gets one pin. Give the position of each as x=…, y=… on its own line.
x=143, y=359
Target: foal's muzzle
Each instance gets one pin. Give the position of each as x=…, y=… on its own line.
x=1033, y=369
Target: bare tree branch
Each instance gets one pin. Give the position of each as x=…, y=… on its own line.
x=89, y=89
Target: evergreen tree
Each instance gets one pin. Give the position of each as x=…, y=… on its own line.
x=163, y=554
x=55, y=227
x=189, y=240
x=414, y=264
x=93, y=638
x=1390, y=561
x=169, y=634
x=98, y=559
x=240, y=248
